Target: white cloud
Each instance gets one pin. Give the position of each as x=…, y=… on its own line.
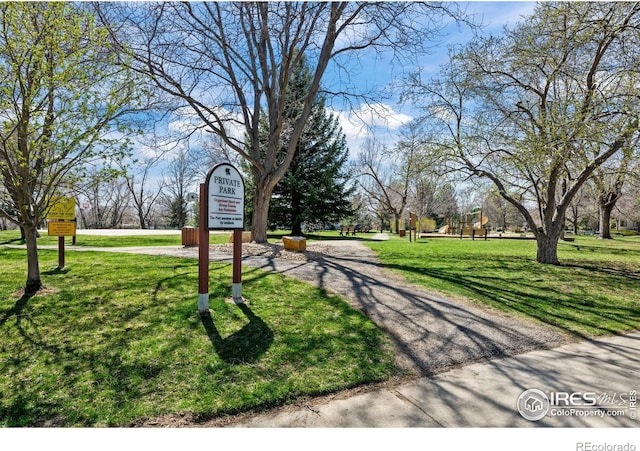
x=376, y=120
x=498, y=14
x=170, y=136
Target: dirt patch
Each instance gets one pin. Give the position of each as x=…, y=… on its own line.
x=315, y=251
x=44, y=291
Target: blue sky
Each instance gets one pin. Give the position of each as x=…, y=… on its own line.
x=382, y=120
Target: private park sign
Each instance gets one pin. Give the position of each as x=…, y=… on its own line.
x=225, y=198
x=221, y=208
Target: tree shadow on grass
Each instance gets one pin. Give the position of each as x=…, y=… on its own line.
x=16, y=310
x=56, y=271
x=24, y=319
x=570, y=313
x=610, y=269
x=14, y=241
x=244, y=346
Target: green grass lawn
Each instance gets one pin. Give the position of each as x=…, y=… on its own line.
x=596, y=290
x=13, y=237
x=116, y=338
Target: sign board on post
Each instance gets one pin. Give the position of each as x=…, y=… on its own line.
x=61, y=218
x=58, y=228
x=221, y=208
x=413, y=226
x=63, y=209
x=225, y=188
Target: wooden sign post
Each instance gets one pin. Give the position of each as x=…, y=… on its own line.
x=221, y=208
x=203, y=254
x=413, y=226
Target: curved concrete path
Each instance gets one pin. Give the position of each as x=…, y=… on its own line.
x=486, y=394
x=430, y=333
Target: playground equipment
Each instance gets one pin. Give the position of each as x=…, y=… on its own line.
x=474, y=229
x=483, y=221
x=467, y=225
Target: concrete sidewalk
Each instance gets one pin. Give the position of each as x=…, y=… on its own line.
x=486, y=394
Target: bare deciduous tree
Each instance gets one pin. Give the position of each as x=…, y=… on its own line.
x=143, y=196
x=231, y=63
x=539, y=109
x=106, y=194
x=178, y=181
x=387, y=175
x=609, y=180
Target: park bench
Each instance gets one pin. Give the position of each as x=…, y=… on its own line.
x=473, y=232
x=347, y=230
x=246, y=237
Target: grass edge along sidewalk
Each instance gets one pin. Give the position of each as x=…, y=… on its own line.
x=594, y=292
x=115, y=338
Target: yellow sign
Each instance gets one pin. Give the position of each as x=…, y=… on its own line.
x=63, y=208
x=62, y=228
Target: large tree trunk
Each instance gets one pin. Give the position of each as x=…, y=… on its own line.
x=141, y=220
x=548, y=248
x=547, y=239
x=140, y=213
x=604, y=216
x=34, y=282
x=296, y=226
x=574, y=219
x=296, y=229
x=606, y=203
x=261, y=201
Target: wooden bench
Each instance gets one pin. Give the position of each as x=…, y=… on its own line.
x=347, y=230
x=246, y=237
x=473, y=233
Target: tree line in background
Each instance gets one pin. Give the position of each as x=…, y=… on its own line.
x=538, y=125
x=75, y=74
x=541, y=111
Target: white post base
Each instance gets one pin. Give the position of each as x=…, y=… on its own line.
x=236, y=293
x=203, y=302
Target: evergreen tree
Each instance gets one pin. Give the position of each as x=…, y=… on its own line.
x=316, y=188
x=177, y=213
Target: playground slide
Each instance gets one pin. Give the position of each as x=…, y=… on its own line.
x=477, y=225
